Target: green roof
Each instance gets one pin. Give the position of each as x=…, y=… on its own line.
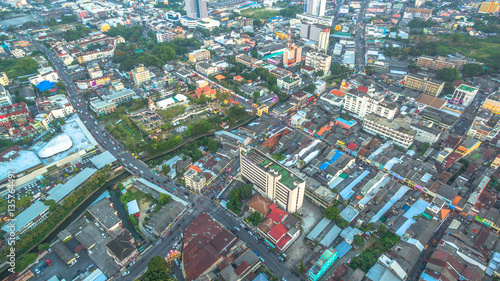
x=464, y=87
x=286, y=178
x=343, y=175
x=477, y=155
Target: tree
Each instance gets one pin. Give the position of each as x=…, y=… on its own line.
x=43, y=246
x=448, y=74
x=320, y=73
x=164, y=199
x=310, y=88
x=413, y=68
x=245, y=191
x=448, y=88
x=212, y=145
x=254, y=53
x=165, y=169
x=291, y=11
x=382, y=229
x=302, y=267
x=25, y=261
x=255, y=218
x=157, y=270
x=472, y=70
x=332, y=213
x=358, y=240
x=370, y=226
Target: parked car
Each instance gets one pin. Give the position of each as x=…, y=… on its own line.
x=125, y=273
x=170, y=233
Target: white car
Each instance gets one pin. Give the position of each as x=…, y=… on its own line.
x=125, y=273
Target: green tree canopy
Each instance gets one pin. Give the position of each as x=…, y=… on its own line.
x=448, y=74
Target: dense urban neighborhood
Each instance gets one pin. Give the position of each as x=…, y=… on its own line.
x=228, y=140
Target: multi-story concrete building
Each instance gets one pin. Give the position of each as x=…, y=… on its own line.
x=488, y=7
x=102, y=107
x=199, y=55
x=463, y=95
x=4, y=80
x=5, y=98
x=424, y=84
x=140, y=75
x=492, y=103
x=292, y=56
x=290, y=82
x=121, y=96
x=272, y=180
x=315, y=7
x=195, y=179
x=312, y=31
x=437, y=63
x=318, y=61
x=397, y=129
x=361, y=104
x=206, y=68
x=324, y=40
x=425, y=134
x=247, y=60
x=94, y=71
x=196, y=9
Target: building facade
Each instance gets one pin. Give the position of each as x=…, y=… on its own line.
x=5, y=98
x=199, y=55
x=488, y=7
x=292, y=56
x=396, y=129
x=324, y=40
x=463, y=95
x=140, y=75
x=315, y=7
x=196, y=9
x=362, y=104
x=424, y=84
x=272, y=180
x=4, y=80
x=318, y=61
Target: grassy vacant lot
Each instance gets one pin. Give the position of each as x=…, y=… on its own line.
x=173, y=111
x=260, y=13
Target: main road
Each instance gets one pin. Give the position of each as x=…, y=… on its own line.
x=140, y=169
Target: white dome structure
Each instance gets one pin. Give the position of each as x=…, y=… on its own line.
x=56, y=145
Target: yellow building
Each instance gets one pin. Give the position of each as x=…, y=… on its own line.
x=496, y=162
x=488, y=7
x=492, y=103
x=140, y=75
x=424, y=84
x=199, y=55
x=467, y=147
x=4, y=80
x=262, y=109
x=105, y=27
x=282, y=35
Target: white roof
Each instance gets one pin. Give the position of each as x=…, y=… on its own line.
x=103, y=159
x=132, y=207
x=56, y=145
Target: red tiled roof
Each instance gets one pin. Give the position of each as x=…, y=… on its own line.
x=241, y=268
x=338, y=93
x=282, y=242
x=277, y=215
x=196, y=168
x=352, y=146
x=363, y=89
x=260, y=204
x=278, y=231
x=205, y=243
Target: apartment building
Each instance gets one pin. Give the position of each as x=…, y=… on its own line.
x=195, y=179
x=247, y=60
x=324, y=40
x=315, y=7
x=396, y=129
x=488, y=7
x=313, y=31
x=425, y=134
x=5, y=98
x=463, y=95
x=424, y=84
x=206, y=68
x=437, y=63
x=121, y=96
x=94, y=71
x=361, y=104
x=4, y=80
x=17, y=113
x=290, y=82
x=140, y=75
x=318, y=61
x=199, y=55
x=102, y=107
x=492, y=103
x=272, y=180
x=292, y=56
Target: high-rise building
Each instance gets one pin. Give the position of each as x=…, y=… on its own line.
x=312, y=31
x=4, y=80
x=488, y=7
x=315, y=7
x=140, y=75
x=324, y=40
x=292, y=55
x=196, y=9
x=272, y=180
x=5, y=98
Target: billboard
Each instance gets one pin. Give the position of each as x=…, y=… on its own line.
x=343, y=11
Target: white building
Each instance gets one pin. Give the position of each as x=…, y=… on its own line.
x=397, y=129
x=315, y=7
x=5, y=98
x=319, y=61
x=362, y=104
x=463, y=95
x=425, y=134
x=171, y=101
x=50, y=76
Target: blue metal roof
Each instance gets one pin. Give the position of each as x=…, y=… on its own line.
x=334, y=158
